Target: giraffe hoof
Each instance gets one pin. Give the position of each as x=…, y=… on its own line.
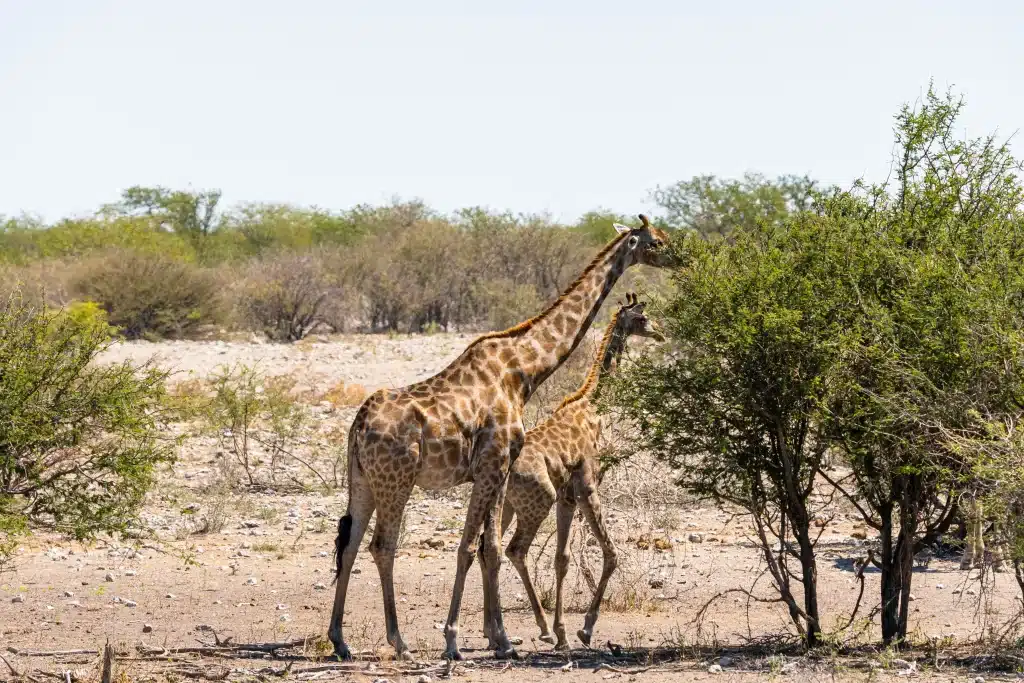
x=453, y=655
x=508, y=653
x=342, y=653
x=548, y=638
x=562, y=646
x=584, y=637
x=404, y=656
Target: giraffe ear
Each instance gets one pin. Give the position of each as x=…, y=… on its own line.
x=620, y=228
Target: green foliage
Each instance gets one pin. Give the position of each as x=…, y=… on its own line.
x=79, y=442
x=150, y=295
x=193, y=215
x=886, y=323
x=759, y=329
x=713, y=206
x=82, y=237
x=939, y=292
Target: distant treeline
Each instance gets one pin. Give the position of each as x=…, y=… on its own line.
x=175, y=263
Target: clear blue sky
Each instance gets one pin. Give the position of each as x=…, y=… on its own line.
x=557, y=106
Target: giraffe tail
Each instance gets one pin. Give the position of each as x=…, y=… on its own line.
x=341, y=542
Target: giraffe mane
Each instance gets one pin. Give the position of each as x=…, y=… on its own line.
x=595, y=367
x=521, y=328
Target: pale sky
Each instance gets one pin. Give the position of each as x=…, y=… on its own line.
x=558, y=106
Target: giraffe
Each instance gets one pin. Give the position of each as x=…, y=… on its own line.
x=464, y=424
x=559, y=462
x=974, y=544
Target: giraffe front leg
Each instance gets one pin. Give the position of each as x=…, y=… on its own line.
x=507, y=514
x=590, y=503
x=480, y=515
x=564, y=511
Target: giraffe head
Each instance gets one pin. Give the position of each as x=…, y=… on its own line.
x=632, y=321
x=647, y=245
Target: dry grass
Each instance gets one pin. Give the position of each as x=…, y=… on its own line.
x=345, y=395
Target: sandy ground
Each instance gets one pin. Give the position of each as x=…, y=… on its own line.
x=265, y=576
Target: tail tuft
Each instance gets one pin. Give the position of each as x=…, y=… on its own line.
x=341, y=542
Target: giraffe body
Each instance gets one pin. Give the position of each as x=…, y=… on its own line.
x=465, y=425
x=559, y=463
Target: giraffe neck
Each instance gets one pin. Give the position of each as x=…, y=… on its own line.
x=611, y=347
x=548, y=340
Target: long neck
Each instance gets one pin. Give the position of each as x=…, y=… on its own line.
x=548, y=339
x=612, y=344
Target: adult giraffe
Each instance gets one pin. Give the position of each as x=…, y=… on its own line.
x=465, y=424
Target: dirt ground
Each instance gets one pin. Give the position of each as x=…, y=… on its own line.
x=265, y=575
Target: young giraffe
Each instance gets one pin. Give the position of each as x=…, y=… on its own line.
x=559, y=461
x=465, y=424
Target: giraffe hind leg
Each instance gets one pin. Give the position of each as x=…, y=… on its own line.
x=590, y=503
x=517, y=552
x=351, y=528
x=383, y=547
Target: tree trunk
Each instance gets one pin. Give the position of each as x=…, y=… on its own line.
x=810, y=580
x=905, y=553
x=890, y=580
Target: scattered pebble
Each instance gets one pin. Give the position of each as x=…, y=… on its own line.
x=18, y=598
x=130, y=572
x=146, y=628
x=696, y=538
x=657, y=583
x=319, y=586
x=251, y=581
x=109, y=578
x=130, y=603
x=170, y=596
x=715, y=669
x=68, y=594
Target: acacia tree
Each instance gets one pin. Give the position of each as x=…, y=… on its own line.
x=191, y=214
x=938, y=298
x=758, y=327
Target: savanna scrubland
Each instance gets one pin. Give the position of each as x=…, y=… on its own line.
x=790, y=476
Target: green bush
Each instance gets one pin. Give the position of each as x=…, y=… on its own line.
x=79, y=442
x=149, y=295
